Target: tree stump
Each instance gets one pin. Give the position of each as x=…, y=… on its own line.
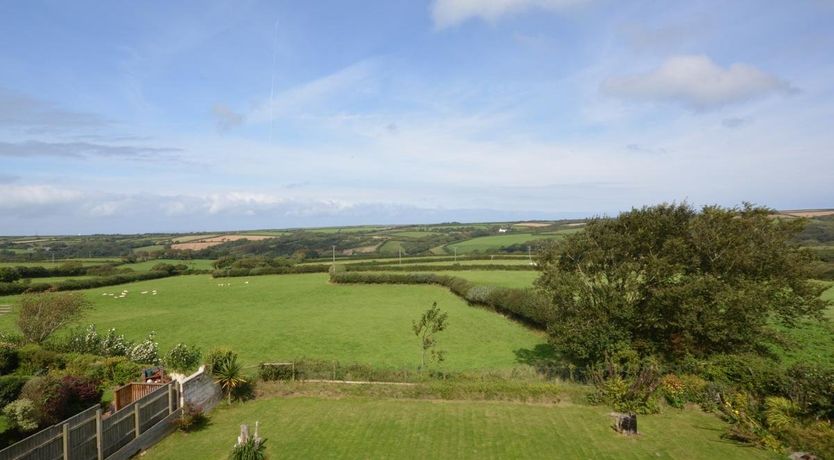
x=625, y=423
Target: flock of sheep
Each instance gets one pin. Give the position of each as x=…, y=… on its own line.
x=124, y=293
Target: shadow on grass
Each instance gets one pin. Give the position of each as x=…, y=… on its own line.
x=546, y=361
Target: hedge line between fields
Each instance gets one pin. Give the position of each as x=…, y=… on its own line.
x=525, y=305
x=89, y=283
x=362, y=267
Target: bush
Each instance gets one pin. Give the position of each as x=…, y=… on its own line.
x=8, y=358
x=82, y=392
x=146, y=351
x=182, y=358
x=48, y=397
x=216, y=357
x=22, y=415
x=44, y=313
x=10, y=386
x=267, y=372
x=120, y=370
x=192, y=418
x=34, y=360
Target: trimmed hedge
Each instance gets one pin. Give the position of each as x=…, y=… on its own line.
x=295, y=269
x=523, y=304
x=435, y=268
x=87, y=283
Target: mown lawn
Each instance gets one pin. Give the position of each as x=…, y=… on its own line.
x=365, y=428
x=274, y=318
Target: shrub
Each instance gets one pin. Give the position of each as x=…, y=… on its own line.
x=10, y=386
x=673, y=390
x=48, y=397
x=21, y=414
x=34, y=360
x=192, y=418
x=82, y=392
x=114, y=344
x=146, y=351
x=8, y=358
x=268, y=372
x=215, y=357
x=183, y=358
x=43, y=314
x=120, y=370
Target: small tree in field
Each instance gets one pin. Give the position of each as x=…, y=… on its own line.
x=41, y=314
x=432, y=322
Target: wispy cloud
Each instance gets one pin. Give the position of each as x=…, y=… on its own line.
x=31, y=114
x=81, y=149
x=697, y=83
x=447, y=13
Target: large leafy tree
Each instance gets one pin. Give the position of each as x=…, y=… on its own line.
x=672, y=281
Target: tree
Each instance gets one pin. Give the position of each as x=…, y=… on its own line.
x=41, y=314
x=672, y=281
x=431, y=322
x=228, y=373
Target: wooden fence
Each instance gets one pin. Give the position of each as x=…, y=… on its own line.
x=89, y=436
x=128, y=394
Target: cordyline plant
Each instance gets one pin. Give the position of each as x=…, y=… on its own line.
x=229, y=375
x=41, y=314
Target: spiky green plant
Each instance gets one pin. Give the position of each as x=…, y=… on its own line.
x=229, y=375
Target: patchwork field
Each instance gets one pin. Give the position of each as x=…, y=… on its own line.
x=269, y=318
x=362, y=428
x=485, y=243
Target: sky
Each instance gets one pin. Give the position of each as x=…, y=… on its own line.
x=156, y=116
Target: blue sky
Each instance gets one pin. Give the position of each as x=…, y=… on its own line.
x=153, y=116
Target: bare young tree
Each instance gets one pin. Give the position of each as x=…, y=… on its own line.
x=431, y=322
x=41, y=314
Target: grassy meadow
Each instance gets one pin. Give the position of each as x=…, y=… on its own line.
x=283, y=317
x=486, y=243
x=305, y=427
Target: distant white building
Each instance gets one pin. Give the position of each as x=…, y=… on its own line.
x=502, y=230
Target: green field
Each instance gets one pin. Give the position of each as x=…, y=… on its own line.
x=507, y=278
x=366, y=428
x=194, y=264
x=286, y=317
x=412, y=234
x=58, y=263
x=156, y=247
x=391, y=248
x=486, y=243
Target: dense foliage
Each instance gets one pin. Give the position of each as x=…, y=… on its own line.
x=672, y=281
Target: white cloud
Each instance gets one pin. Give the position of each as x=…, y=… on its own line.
x=698, y=83
x=447, y=13
x=24, y=196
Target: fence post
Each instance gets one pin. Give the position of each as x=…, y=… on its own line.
x=66, y=441
x=170, y=398
x=136, y=419
x=99, y=436
x=293, y=371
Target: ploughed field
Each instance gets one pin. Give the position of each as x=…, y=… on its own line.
x=366, y=428
x=284, y=317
